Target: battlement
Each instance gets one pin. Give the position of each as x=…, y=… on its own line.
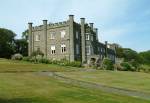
x=51, y=25
x=59, y=24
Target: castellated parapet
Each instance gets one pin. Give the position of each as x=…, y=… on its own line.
x=51, y=25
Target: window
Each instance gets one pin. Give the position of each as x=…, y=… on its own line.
x=87, y=37
x=63, y=48
x=53, y=49
x=63, y=33
x=52, y=34
x=77, y=35
x=77, y=49
x=88, y=50
x=37, y=37
x=92, y=37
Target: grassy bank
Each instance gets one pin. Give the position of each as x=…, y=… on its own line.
x=121, y=79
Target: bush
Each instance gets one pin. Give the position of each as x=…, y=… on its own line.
x=47, y=61
x=145, y=68
x=17, y=57
x=107, y=64
x=26, y=59
x=126, y=66
x=43, y=60
x=75, y=64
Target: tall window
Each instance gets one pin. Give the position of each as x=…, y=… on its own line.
x=88, y=50
x=37, y=37
x=63, y=33
x=52, y=34
x=63, y=48
x=92, y=37
x=87, y=37
x=77, y=48
x=77, y=35
x=53, y=50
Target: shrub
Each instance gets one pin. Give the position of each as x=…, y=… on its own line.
x=75, y=64
x=26, y=59
x=107, y=64
x=17, y=57
x=47, y=61
x=145, y=68
x=43, y=60
x=126, y=66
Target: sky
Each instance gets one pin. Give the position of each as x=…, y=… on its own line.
x=126, y=22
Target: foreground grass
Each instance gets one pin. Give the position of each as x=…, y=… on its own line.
x=33, y=88
x=18, y=66
x=128, y=80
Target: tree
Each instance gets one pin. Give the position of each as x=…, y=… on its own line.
x=130, y=55
x=21, y=46
x=25, y=35
x=146, y=57
x=6, y=43
x=107, y=64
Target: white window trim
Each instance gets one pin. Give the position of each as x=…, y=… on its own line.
x=91, y=37
x=52, y=35
x=37, y=37
x=77, y=48
x=89, y=49
x=87, y=37
x=62, y=33
x=77, y=35
x=63, y=48
x=53, y=49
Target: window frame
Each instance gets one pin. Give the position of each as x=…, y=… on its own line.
x=53, y=51
x=37, y=37
x=63, y=48
x=61, y=33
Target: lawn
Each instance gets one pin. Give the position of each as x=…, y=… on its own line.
x=33, y=87
x=21, y=66
x=127, y=80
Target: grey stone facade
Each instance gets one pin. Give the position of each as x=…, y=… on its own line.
x=68, y=40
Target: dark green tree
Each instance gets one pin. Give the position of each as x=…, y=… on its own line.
x=145, y=56
x=21, y=46
x=6, y=43
x=25, y=35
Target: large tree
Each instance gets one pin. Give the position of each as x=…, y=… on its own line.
x=6, y=43
x=146, y=56
x=21, y=46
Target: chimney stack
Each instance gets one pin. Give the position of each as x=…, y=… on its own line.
x=30, y=38
x=83, y=39
x=106, y=51
x=91, y=25
x=45, y=36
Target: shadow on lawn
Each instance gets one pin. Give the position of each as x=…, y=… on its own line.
x=16, y=100
x=29, y=100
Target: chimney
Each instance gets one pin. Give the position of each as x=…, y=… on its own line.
x=30, y=38
x=91, y=25
x=45, y=36
x=96, y=32
x=106, y=47
x=71, y=18
x=83, y=45
x=71, y=30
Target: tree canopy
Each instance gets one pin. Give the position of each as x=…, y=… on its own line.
x=6, y=43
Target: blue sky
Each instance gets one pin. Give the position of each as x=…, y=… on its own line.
x=126, y=22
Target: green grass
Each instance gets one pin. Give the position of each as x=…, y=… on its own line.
x=37, y=88
x=10, y=65
x=128, y=80
x=33, y=88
